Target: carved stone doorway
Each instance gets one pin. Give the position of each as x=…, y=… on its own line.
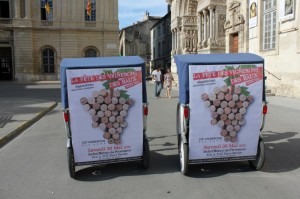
x=234, y=43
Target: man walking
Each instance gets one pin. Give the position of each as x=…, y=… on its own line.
x=157, y=76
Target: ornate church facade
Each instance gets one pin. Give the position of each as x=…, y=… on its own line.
x=268, y=28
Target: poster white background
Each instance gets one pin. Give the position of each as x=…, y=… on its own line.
x=253, y=13
x=87, y=139
x=287, y=9
x=203, y=135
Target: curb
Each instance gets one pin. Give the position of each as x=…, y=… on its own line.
x=6, y=139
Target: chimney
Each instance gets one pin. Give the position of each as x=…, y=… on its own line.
x=146, y=17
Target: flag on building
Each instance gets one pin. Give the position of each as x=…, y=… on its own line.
x=89, y=8
x=47, y=7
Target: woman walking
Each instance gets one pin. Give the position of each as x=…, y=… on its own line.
x=168, y=79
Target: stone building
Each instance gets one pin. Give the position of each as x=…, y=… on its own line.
x=36, y=35
x=197, y=26
x=269, y=28
x=161, y=43
x=136, y=40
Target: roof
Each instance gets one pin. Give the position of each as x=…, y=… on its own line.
x=143, y=21
x=163, y=18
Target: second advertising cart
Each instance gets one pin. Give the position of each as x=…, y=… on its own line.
x=221, y=109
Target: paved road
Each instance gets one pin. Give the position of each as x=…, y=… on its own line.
x=34, y=165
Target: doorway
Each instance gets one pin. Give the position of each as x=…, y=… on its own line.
x=6, y=72
x=234, y=43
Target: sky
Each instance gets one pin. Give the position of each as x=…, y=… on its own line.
x=131, y=11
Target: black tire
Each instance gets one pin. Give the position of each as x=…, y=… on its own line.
x=178, y=126
x=183, y=157
x=146, y=153
x=258, y=163
x=71, y=163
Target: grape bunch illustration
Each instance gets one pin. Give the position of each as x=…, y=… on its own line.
x=108, y=110
x=228, y=107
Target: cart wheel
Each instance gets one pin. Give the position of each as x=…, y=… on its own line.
x=258, y=163
x=183, y=156
x=146, y=154
x=178, y=126
x=71, y=163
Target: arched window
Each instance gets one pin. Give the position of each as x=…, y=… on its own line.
x=90, y=53
x=48, y=60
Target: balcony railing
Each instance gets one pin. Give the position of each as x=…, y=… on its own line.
x=90, y=24
x=5, y=21
x=46, y=23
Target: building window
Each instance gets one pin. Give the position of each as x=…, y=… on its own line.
x=47, y=10
x=159, y=31
x=159, y=50
x=4, y=9
x=90, y=10
x=132, y=49
x=269, y=24
x=48, y=60
x=90, y=53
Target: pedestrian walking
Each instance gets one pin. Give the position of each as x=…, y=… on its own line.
x=168, y=79
x=157, y=77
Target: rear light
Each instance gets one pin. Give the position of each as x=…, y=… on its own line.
x=66, y=116
x=265, y=109
x=145, y=110
x=186, y=112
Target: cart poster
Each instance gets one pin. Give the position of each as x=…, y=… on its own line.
x=225, y=112
x=106, y=120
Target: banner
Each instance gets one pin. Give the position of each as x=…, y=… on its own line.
x=253, y=13
x=106, y=118
x=229, y=100
x=287, y=10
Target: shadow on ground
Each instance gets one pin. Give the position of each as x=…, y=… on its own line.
x=281, y=156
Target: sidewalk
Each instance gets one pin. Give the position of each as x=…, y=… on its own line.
x=19, y=113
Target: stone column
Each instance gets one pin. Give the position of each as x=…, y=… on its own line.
x=178, y=39
x=175, y=38
x=172, y=31
x=216, y=23
x=205, y=25
x=27, y=9
x=17, y=8
x=210, y=22
x=199, y=27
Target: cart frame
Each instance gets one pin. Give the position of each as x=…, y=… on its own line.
x=183, y=108
x=104, y=62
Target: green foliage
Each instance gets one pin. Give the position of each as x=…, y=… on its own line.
x=247, y=66
x=123, y=93
x=125, y=70
x=244, y=90
x=229, y=68
x=228, y=79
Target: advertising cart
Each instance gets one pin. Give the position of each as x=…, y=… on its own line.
x=221, y=109
x=105, y=110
